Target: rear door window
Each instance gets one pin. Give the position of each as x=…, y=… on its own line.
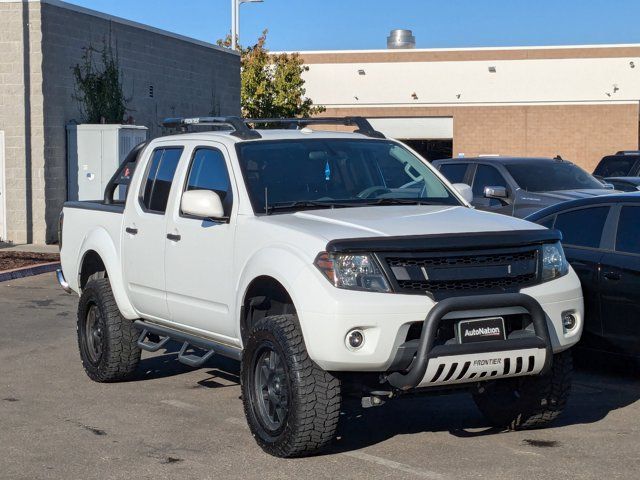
x=582, y=228
x=627, y=237
x=162, y=168
x=615, y=166
x=454, y=172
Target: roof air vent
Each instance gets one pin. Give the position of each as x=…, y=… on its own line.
x=399, y=39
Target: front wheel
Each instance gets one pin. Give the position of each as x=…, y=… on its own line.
x=527, y=402
x=292, y=405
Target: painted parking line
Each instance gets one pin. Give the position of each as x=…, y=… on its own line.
x=402, y=467
x=180, y=404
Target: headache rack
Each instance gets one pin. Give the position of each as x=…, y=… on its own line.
x=240, y=127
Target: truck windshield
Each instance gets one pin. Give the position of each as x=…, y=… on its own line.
x=547, y=176
x=325, y=173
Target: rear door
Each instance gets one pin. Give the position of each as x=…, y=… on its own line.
x=620, y=284
x=143, y=241
x=199, y=253
x=583, y=230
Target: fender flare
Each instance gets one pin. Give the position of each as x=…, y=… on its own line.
x=282, y=263
x=99, y=241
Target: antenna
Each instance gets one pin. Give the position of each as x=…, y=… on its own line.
x=266, y=200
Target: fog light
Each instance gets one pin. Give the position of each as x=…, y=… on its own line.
x=355, y=339
x=569, y=320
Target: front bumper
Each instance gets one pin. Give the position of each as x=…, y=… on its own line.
x=461, y=363
x=327, y=314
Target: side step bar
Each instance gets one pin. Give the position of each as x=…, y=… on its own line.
x=211, y=347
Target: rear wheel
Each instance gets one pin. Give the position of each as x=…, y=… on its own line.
x=527, y=402
x=107, y=341
x=292, y=405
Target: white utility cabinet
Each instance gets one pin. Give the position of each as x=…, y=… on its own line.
x=94, y=152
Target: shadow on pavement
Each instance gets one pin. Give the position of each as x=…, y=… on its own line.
x=598, y=388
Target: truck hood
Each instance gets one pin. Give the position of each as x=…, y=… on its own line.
x=565, y=195
x=393, y=221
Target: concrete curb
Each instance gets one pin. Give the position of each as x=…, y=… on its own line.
x=28, y=271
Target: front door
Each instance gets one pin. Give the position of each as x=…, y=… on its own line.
x=145, y=232
x=620, y=285
x=490, y=176
x=199, y=253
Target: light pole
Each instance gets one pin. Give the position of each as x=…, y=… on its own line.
x=235, y=19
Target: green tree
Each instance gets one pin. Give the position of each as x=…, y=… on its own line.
x=98, y=86
x=272, y=85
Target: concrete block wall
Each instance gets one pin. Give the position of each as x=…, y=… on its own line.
x=21, y=116
x=188, y=77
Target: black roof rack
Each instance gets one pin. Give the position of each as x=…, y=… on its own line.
x=362, y=124
x=240, y=128
x=628, y=152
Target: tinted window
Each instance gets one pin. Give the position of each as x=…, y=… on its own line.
x=628, y=238
x=548, y=176
x=454, y=171
x=162, y=168
x=339, y=171
x=583, y=227
x=487, y=176
x=615, y=166
x=208, y=171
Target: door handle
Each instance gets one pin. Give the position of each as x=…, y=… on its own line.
x=174, y=237
x=612, y=276
x=131, y=231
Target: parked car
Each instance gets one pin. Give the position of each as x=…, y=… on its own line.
x=601, y=237
x=624, y=184
x=625, y=163
x=328, y=263
x=519, y=186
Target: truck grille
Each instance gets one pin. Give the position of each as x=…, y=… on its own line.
x=445, y=274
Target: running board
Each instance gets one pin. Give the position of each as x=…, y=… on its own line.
x=165, y=333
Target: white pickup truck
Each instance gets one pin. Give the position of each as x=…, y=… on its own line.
x=328, y=263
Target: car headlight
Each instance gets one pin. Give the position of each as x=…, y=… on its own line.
x=353, y=272
x=554, y=263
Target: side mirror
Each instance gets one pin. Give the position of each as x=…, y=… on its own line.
x=607, y=185
x=464, y=190
x=495, y=192
x=202, y=204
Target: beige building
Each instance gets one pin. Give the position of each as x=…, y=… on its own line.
x=578, y=102
x=163, y=74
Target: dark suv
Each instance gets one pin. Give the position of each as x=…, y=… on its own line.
x=625, y=163
x=519, y=186
x=621, y=170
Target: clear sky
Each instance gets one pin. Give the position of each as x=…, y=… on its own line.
x=364, y=24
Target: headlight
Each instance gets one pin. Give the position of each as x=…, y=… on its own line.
x=353, y=272
x=554, y=263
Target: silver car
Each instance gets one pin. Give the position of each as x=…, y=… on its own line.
x=520, y=186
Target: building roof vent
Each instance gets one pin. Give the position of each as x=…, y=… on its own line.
x=401, y=39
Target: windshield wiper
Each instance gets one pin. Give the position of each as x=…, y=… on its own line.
x=300, y=204
x=394, y=201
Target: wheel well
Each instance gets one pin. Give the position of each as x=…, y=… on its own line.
x=92, y=265
x=265, y=296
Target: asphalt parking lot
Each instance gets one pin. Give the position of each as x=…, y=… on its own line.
x=175, y=422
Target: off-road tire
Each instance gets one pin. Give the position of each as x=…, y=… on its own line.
x=120, y=354
x=314, y=395
x=524, y=403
